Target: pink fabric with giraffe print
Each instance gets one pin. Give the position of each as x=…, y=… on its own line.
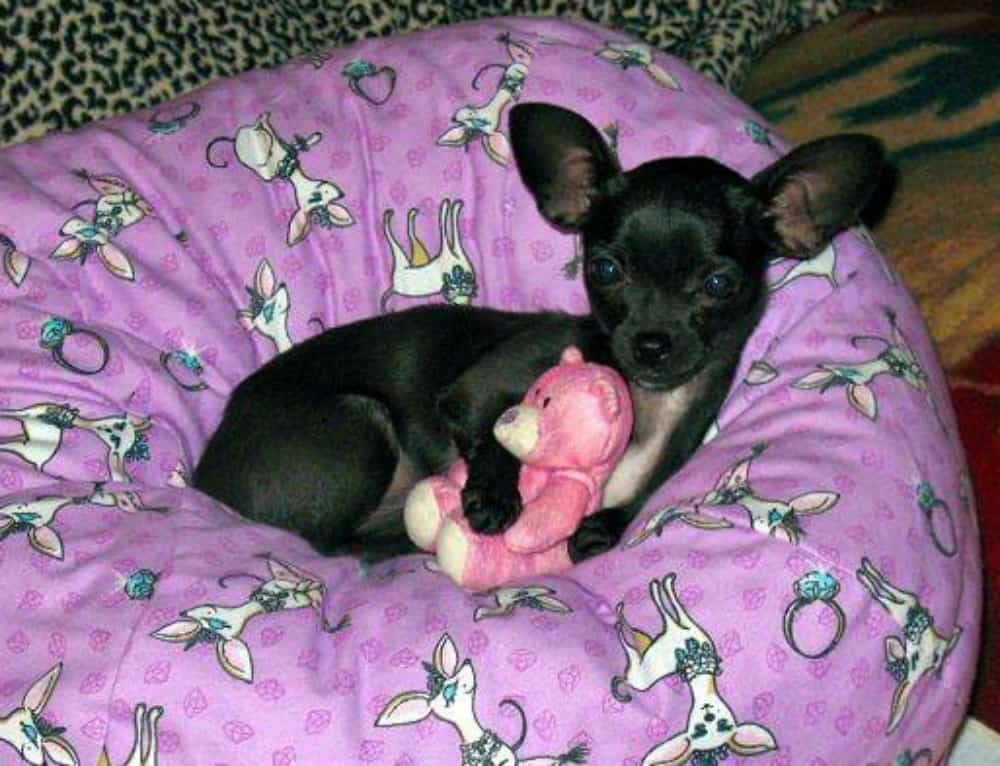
x=805, y=592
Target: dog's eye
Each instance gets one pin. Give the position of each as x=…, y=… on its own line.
x=720, y=285
x=605, y=271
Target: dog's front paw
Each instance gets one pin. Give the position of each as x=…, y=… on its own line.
x=490, y=508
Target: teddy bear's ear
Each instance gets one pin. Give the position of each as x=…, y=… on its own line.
x=572, y=355
x=608, y=396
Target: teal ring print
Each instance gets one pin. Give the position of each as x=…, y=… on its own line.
x=930, y=506
x=184, y=369
x=166, y=125
x=140, y=585
x=383, y=81
x=923, y=757
x=814, y=587
x=53, y=335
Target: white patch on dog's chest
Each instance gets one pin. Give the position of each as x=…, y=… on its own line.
x=657, y=414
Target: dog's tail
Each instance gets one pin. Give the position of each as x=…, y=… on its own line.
x=524, y=721
x=379, y=536
x=372, y=550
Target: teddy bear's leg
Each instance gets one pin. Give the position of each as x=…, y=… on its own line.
x=427, y=506
x=477, y=562
x=481, y=562
x=430, y=502
x=422, y=516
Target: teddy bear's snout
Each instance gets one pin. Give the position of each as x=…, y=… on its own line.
x=509, y=416
x=518, y=430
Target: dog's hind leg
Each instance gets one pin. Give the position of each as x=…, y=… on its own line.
x=320, y=472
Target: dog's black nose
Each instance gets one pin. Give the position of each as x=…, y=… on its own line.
x=651, y=347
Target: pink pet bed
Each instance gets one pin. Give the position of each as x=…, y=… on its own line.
x=804, y=592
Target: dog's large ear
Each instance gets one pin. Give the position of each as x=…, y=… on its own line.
x=563, y=160
x=819, y=189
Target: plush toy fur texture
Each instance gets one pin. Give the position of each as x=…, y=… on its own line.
x=569, y=433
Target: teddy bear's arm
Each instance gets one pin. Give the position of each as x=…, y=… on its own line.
x=551, y=517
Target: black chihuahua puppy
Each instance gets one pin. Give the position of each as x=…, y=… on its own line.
x=327, y=438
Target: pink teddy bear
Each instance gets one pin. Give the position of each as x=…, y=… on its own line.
x=569, y=433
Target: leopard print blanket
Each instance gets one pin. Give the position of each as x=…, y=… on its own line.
x=65, y=63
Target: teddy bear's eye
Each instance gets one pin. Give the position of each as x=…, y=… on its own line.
x=545, y=402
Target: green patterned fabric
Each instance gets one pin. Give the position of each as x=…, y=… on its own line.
x=64, y=63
